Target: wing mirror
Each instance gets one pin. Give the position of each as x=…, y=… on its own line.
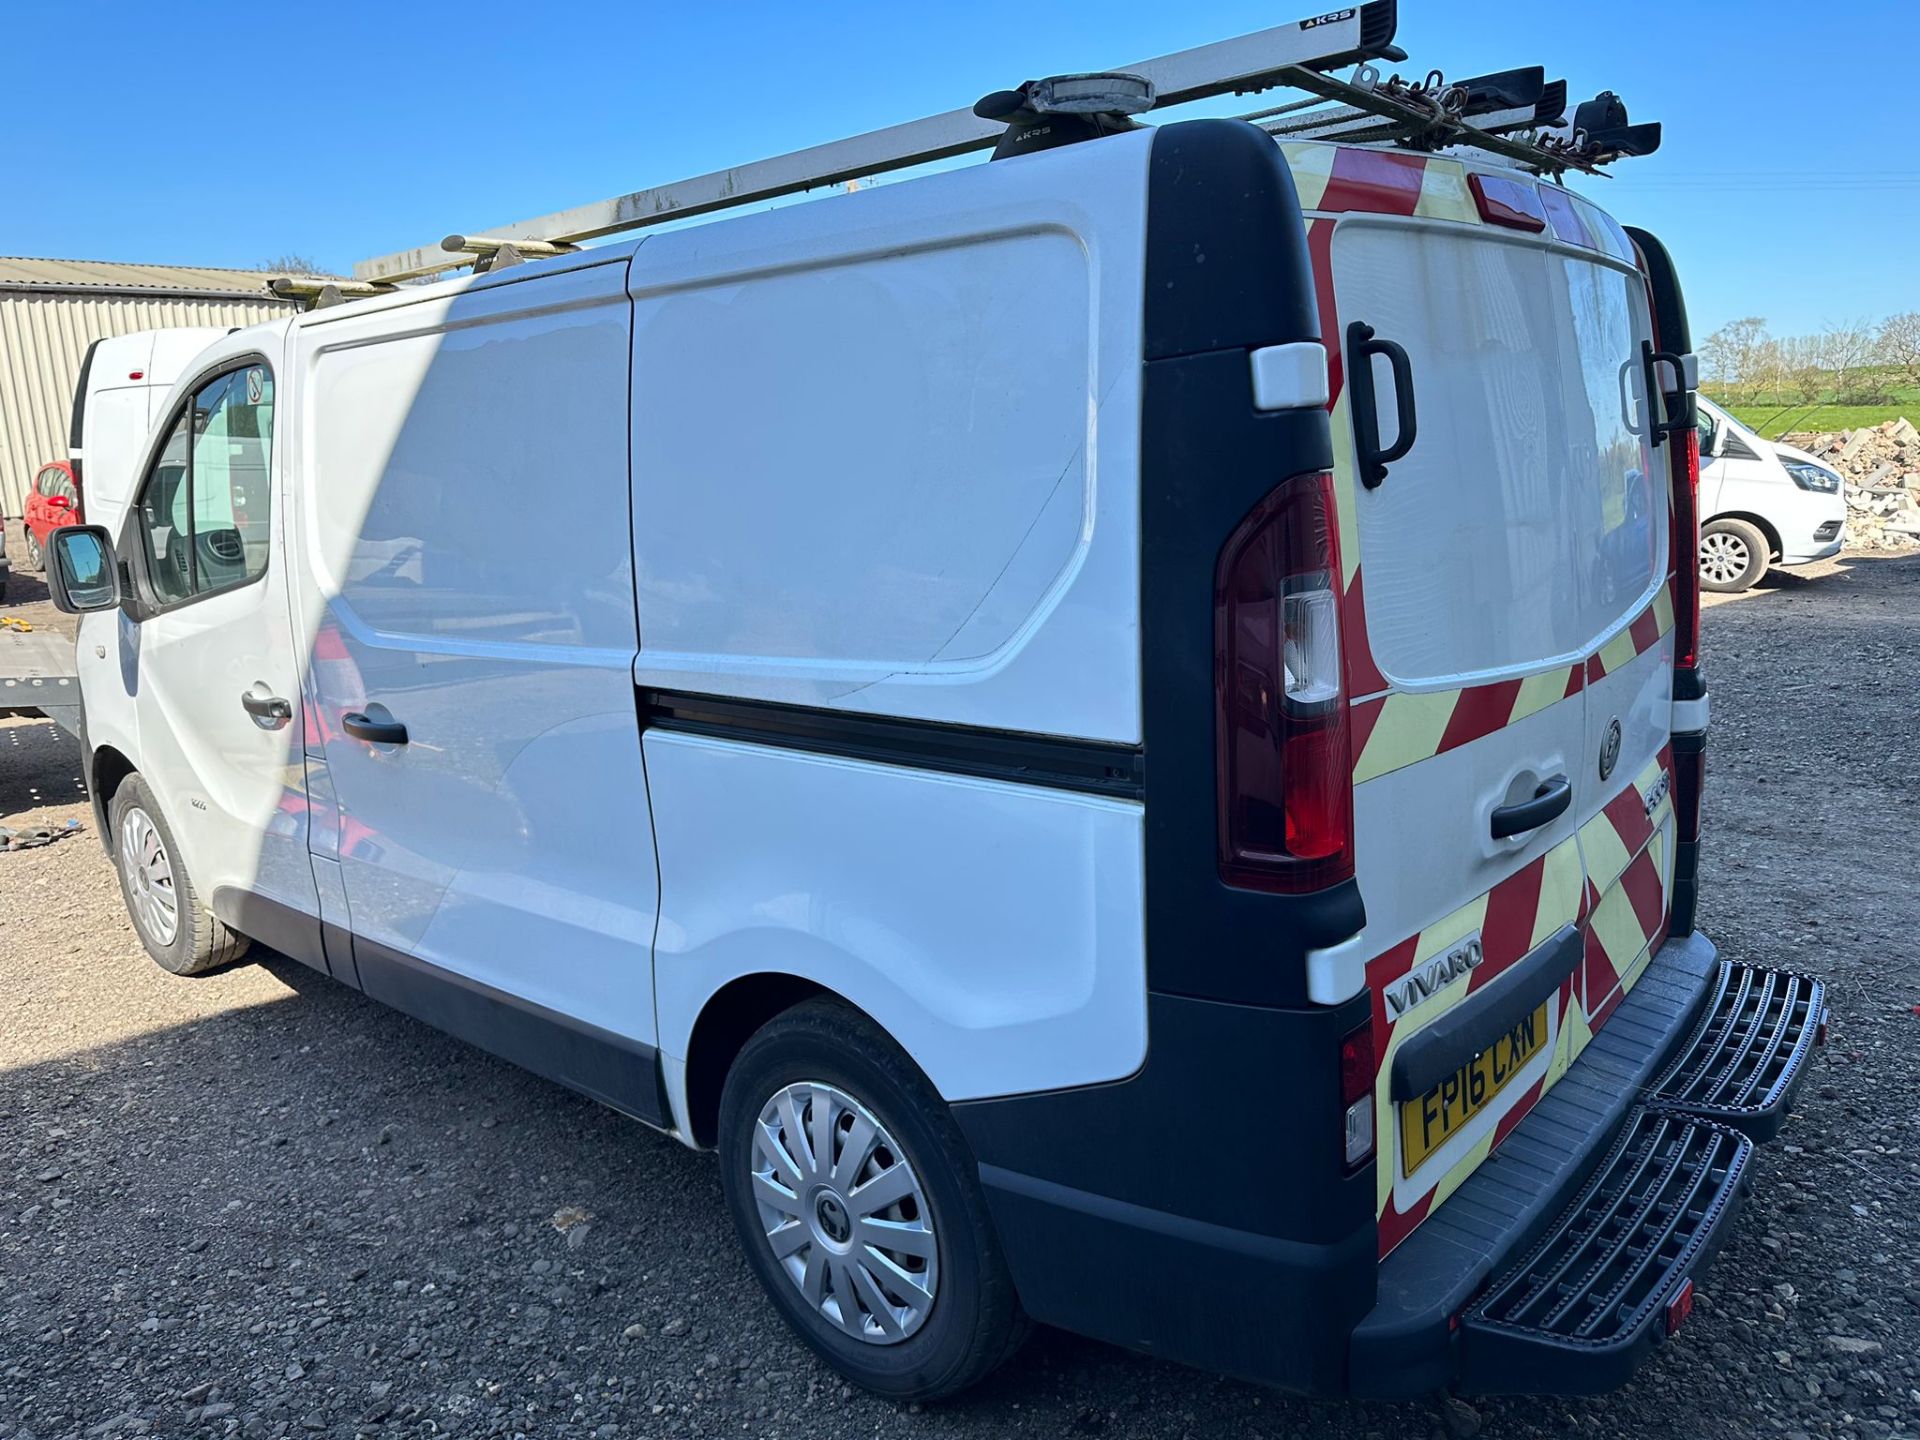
x=83, y=574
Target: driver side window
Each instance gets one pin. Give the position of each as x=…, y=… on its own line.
x=205, y=508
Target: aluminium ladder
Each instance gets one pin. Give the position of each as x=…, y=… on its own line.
x=1516, y=116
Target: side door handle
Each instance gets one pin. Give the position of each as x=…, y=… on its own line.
x=1549, y=801
x=378, y=732
x=265, y=707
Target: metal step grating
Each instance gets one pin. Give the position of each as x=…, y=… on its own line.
x=1749, y=1051
x=1614, y=1259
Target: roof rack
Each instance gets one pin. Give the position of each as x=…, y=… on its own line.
x=1515, y=115
x=317, y=292
x=1283, y=55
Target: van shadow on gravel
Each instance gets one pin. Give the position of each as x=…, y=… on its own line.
x=273, y=1194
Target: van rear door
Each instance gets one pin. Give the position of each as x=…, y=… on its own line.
x=1518, y=535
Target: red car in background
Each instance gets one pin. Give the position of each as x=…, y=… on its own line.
x=53, y=500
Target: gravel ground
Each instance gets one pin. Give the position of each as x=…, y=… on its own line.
x=259, y=1203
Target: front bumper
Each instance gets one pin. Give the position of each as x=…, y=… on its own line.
x=1813, y=530
x=1817, y=552
x=1697, y=1064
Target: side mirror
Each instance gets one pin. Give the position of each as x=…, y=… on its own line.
x=1717, y=446
x=59, y=502
x=83, y=574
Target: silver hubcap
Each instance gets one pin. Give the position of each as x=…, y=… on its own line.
x=1723, y=557
x=844, y=1213
x=149, y=871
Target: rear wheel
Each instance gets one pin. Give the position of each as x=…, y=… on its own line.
x=857, y=1201
x=36, y=560
x=1733, y=555
x=179, y=932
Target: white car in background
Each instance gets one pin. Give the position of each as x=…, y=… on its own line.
x=1761, y=504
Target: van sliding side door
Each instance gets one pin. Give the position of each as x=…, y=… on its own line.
x=472, y=672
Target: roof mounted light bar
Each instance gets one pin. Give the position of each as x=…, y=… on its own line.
x=1282, y=55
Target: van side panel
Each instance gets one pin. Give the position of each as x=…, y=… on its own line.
x=507, y=845
x=993, y=929
x=885, y=455
x=884, y=449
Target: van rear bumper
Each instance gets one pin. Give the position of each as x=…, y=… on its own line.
x=1230, y=1301
x=1410, y=1344
x=1448, y=1309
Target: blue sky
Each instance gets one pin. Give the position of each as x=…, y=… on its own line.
x=231, y=135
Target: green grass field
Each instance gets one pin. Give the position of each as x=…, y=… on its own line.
x=1776, y=419
x=1773, y=421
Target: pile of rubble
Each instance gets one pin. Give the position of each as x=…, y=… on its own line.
x=1881, y=465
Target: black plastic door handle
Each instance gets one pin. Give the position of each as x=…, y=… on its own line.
x=1553, y=797
x=1362, y=346
x=379, y=732
x=1650, y=361
x=265, y=707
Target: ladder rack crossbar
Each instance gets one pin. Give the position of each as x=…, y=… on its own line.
x=1378, y=116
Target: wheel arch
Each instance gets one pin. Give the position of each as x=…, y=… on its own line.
x=106, y=769
x=729, y=1018
x=1759, y=522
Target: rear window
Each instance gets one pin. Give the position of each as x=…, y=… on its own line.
x=1526, y=523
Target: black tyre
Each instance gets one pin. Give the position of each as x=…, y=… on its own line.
x=180, y=933
x=1733, y=555
x=36, y=558
x=860, y=1209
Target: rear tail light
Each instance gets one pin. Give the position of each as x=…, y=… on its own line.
x=1358, y=1066
x=1686, y=554
x=1689, y=780
x=1285, y=766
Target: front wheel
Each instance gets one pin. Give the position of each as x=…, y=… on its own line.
x=858, y=1204
x=36, y=558
x=1733, y=556
x=180, y=933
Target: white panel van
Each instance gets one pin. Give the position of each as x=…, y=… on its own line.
x=1119, y=730
x=1761, y=504
x=122, y=381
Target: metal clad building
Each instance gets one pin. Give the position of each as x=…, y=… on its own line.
x=51, y=310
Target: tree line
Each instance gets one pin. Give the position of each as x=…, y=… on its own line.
x=1857, y=362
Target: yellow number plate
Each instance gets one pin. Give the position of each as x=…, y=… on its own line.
x=1429, y=1122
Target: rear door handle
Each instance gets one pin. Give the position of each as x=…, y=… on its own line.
x=265, y=707
x=1362, y=345
x=1549, y=801
x=379, y=732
